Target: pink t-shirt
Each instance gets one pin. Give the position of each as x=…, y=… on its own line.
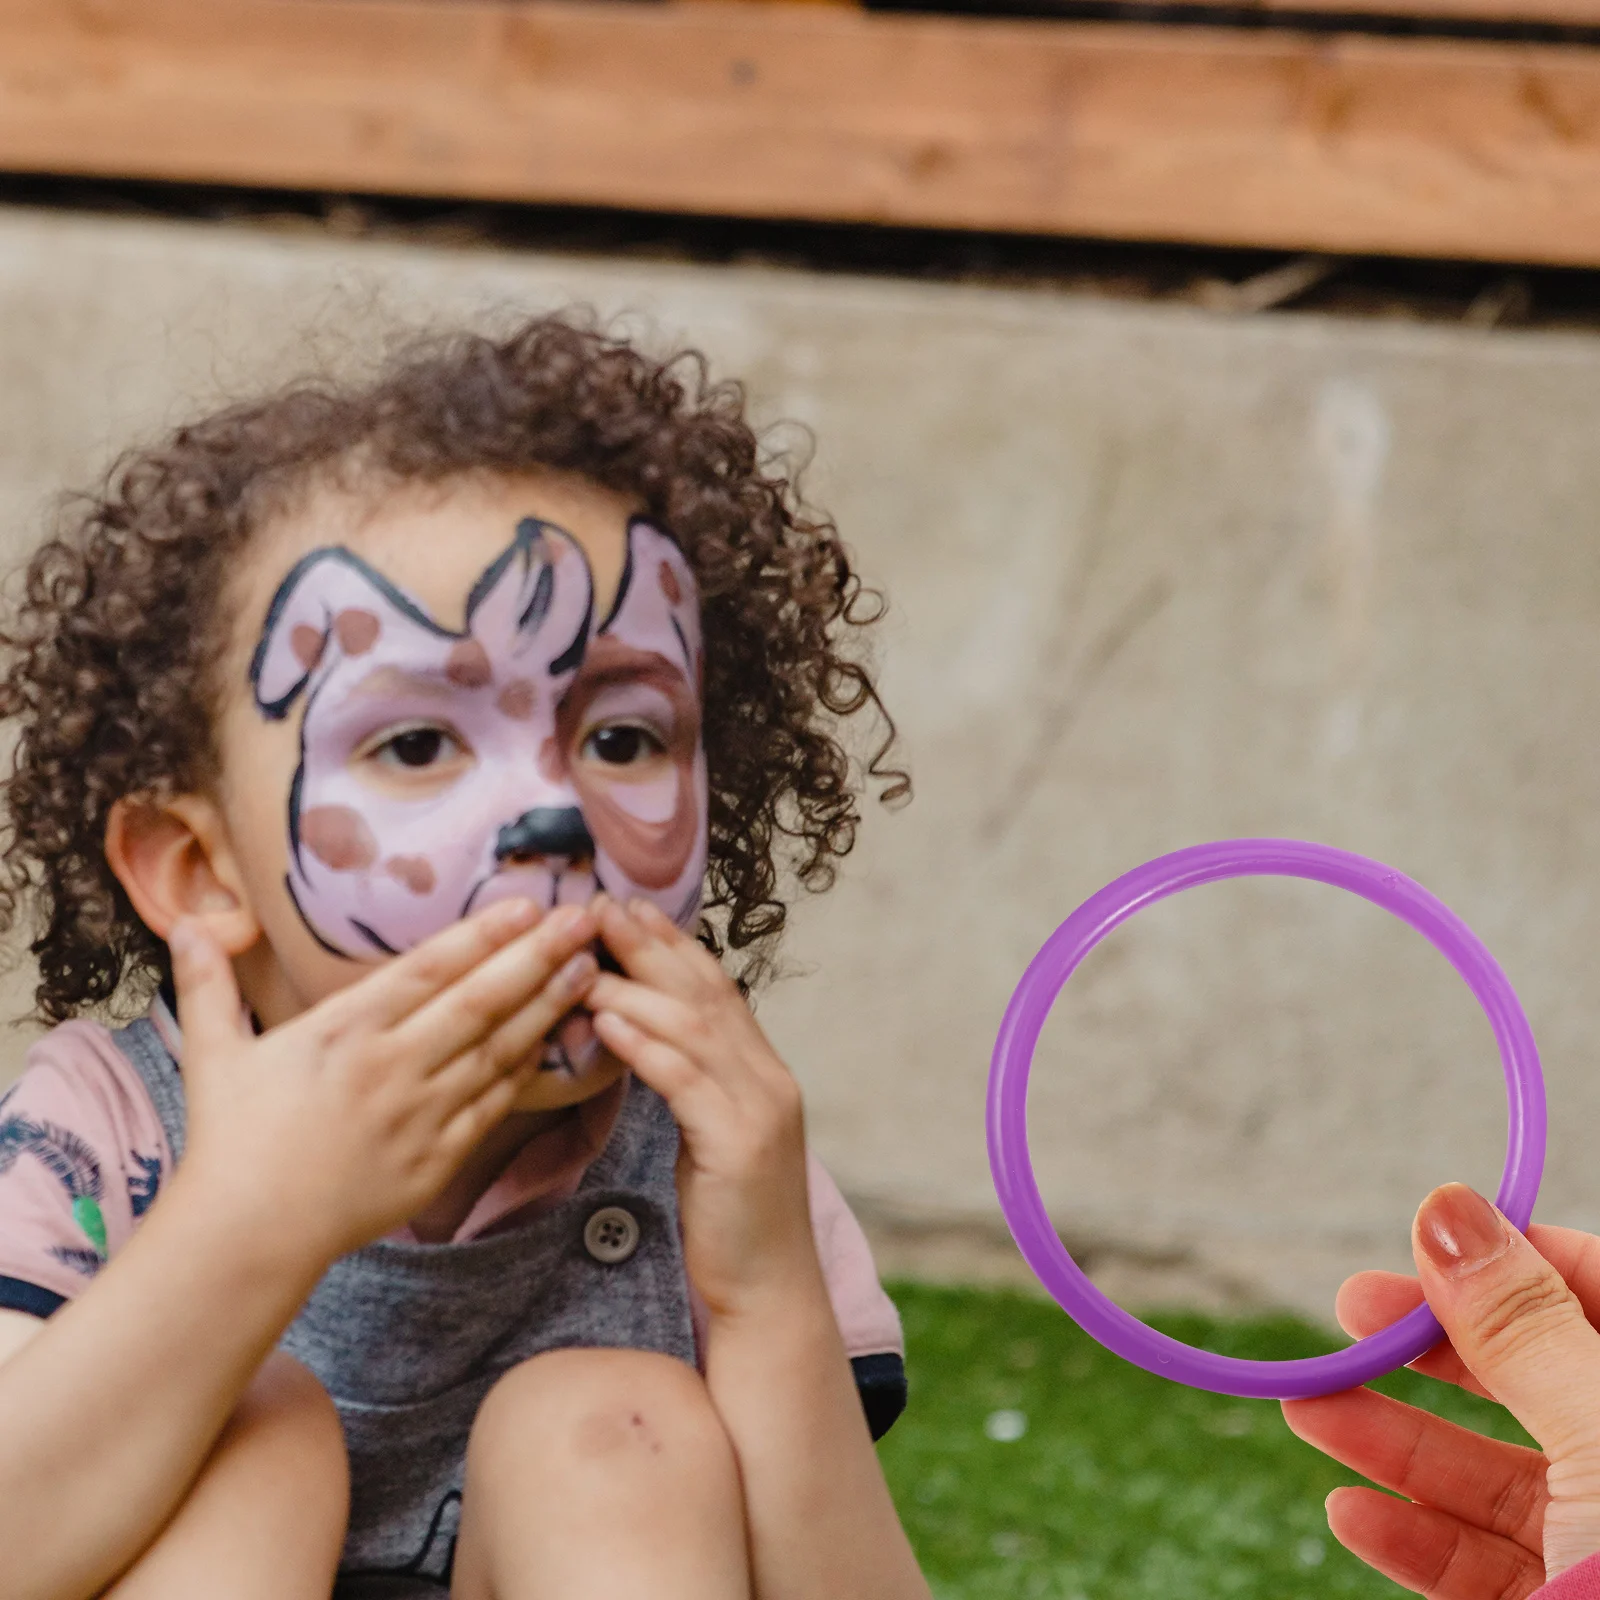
x=83, y=1154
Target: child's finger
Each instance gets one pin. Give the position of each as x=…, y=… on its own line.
x=464, y=1015
x=393, y=991
x=645, y=953
x=681, y=1024
x=660, y=1013
x=670, y=1019
x=693, y=1098
x=689, y=949
x=465, y=1131
x=210, y=1010
x=702, y=978
x=515, y=1041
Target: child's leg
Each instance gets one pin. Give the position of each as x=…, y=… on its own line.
x=598, y=1473
x=266, y=1518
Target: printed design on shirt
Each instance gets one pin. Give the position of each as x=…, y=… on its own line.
x=75, y=1164
x=434, y=1561
x=143, y=1184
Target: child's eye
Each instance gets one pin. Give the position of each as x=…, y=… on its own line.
x=620, y=744
x=415, y=747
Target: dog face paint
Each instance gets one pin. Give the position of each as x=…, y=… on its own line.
x=535, y=752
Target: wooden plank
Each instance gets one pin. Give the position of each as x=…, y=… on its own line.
x=1508, y=14
x=1352, y=144
x=1505, y=14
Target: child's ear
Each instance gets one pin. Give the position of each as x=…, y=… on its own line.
x=173, y=859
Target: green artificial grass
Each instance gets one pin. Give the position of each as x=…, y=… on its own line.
x=1034, y=1465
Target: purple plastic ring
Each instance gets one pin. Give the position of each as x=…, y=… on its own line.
x=1103, y=1320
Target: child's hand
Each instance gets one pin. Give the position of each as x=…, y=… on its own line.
x=679, y=1022
x=339, y=1125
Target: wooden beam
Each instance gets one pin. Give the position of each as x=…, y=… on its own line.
x=1504, y=14
x=1507, y=14
x=1347, y=144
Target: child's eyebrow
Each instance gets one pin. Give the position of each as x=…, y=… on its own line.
x=658, y=668
x=622, y=664
x=396, y=680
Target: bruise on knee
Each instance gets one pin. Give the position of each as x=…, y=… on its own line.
x=608, y=1407
x=580, y=1434
x=610, y=1431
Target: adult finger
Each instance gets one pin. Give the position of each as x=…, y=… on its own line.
x=1429, y=1551
x=1370, y=1301
x=211, y=1013
x=1488, y=1483
x=466, y=1013
x=393, y=991
x=1576, y=1256
x=1523, y=1334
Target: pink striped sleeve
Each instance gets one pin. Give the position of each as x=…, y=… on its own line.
x=82, y=1154
x=1581, y=1582
x=866, y=1315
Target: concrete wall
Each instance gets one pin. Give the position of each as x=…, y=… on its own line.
x=1157, y=577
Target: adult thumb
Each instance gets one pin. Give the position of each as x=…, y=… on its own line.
x=1522, y=1331
x=210, y=1009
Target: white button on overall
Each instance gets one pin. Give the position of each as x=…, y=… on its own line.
x=611, y=1235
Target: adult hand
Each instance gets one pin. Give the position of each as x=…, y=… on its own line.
x=1482, y=1520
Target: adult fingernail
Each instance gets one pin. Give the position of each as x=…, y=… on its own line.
x=182, y=938
x=563, y=919
x=1459, y=1230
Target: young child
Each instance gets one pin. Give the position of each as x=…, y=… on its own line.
x=446, y=1221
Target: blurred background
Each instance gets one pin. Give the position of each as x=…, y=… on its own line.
x=1212, y=389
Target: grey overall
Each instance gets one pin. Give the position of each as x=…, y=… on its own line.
x=408, y=1338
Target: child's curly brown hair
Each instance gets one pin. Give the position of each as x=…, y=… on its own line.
x=111, y=651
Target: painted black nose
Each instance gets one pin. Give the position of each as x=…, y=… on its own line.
x=545, y=831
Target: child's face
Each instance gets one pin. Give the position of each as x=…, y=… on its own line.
x=450, y=696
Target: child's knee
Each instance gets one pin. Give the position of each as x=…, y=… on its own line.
x=580, y=1433
x=267, y=1513
x=287, y=1417
x=608, y=1408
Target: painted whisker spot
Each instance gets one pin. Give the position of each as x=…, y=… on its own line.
x=555, y=1060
